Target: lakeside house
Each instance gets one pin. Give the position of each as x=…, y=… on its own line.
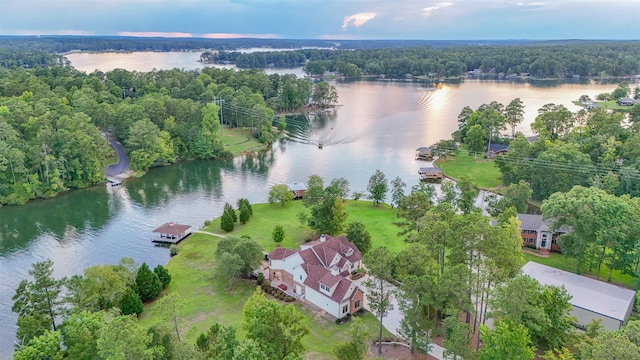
x=627, y=101
x=590, y=299
x=496, y=149
x=431, y=174
x=298, y=189
x=171, y=233
x=424, y=153
x=536, y=234
x=319, y=272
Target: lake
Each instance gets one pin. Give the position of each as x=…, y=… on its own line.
x=378, y=126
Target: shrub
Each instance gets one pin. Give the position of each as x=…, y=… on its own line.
x=260, y=278
x=226, y=222
x=148, y=284
x=173, y=250
x=163, y=275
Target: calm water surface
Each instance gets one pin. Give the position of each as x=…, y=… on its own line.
x=378, y=126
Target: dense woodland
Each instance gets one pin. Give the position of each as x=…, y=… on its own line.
x=54, y=120
x=591, y=59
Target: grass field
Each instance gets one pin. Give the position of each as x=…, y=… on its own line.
x=208, y=301
x=561, y=262
x=238, y=140
x=484, y=172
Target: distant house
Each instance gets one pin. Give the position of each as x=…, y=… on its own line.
x=591, y=299
x=432, y=174
x=319, y=272
x=626, y=101
x=424, y=153
x=496, y=149
x=171, y=233
x=590, y=105
x=298, y=190
x=536, y=233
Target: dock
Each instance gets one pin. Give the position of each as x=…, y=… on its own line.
x=171, y=233
x=113, y=181
x=431, y=174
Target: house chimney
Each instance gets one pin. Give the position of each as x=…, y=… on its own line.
x=323, y=238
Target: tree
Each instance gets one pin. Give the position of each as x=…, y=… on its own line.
x=476, y=139
x=278, y=330
x=163, y=275
x=328, y=217
x=338, y=188
x=245, y=213
x=37, y=300
x=380, y=265
x=467, y=194
x=131, y=303
x=303, y=217
x=80, y=334
x=226, y=222
x=515, y=114
x=245, y=202
x=355, y=347
x=123, y=338
x=358, y=234
x=516, y=195
x=229, y=209
x=229, y=268
x=148, y=284
x=281, y=193
x=397, y=190
x=278, y=234
x=315, y=191
x=170, y=307
x=377, y=187
x=218, y=343
x=46, y=346
x=250, y=253
x=457, y=342
x=508, y=341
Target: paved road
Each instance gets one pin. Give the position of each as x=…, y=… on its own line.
x=391, y=322
x=123, y=159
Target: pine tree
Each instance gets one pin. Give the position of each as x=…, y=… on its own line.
x=245, y=213
x=148, y=284
x=278, y=234
x=226, y=222
x=163, y=275
x=131, y=303
x=231, y=211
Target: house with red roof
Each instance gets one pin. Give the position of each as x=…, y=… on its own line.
x=319, y=272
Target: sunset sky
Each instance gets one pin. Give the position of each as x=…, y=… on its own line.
x=327, y=19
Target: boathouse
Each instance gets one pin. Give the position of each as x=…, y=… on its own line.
x=432, y=174
x=171, y=233
x=424, y=153
x=298, y=190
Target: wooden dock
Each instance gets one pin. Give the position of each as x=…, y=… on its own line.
x=113, y=182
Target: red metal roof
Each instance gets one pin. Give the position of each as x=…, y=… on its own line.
x=172, y=228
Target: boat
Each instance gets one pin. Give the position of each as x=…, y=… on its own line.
x=320, y=145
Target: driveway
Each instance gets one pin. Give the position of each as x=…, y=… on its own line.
x=391, y=322
x=123, y=159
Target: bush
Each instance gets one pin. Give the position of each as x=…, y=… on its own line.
x=163, y=275
x=226, y=222
x=173, y=250
x=148, y=284
x=207, y=223
x=260, y=278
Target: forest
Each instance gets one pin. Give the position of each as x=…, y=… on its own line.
x=54, y=120
x=547, y=60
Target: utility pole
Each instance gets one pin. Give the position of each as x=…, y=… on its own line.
x=220, y=102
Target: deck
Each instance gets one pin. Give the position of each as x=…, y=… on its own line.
x=170, y=240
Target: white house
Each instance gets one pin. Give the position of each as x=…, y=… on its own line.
x=591, y=299
x=536, y=233
x=319, y=272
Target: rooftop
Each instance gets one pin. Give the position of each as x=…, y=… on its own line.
x=297, y=186
x=430, y=170
x=172, y=228
x=594, y=295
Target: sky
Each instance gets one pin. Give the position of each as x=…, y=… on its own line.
x=327, y=19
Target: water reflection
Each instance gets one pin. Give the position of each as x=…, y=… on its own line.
x=69, y=214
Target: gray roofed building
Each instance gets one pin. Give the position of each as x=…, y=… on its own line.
x=591, y=299
x=536, y=233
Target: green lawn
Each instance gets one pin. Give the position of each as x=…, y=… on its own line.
x=559, y=261
x=482, y=171
x=208, y=301
x=377, y=219
x=612, y=104
x=238, y=140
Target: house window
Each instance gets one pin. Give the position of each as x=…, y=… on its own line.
x=544, y=241
x=345, y=309
x=357, y=304
x=300, y=276
x=325, y=288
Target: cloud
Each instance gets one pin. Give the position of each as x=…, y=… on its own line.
x=238, y=36
x=430, y=9
x=532, y=4
x=357, y=19
x=155, y=34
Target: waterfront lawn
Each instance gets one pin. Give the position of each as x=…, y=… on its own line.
x=238, y=140
x=561, y=262
x=483, y=171
x=208, y=301
x=377, y=219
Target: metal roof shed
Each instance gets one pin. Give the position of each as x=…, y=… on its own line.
x=591, y=299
